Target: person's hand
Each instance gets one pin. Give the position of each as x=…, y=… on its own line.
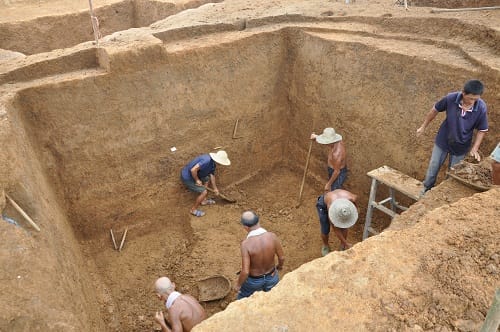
x=159, y=318
x=475, y=154
x=199, y=183
x=216, y=192
x=313, y=136
x=236, y=287
x=420, y=131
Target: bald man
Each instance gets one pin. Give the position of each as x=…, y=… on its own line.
x=259, y=271
x=184, y=311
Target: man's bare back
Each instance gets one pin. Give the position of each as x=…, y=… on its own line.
x=337, y=156
x=261, y=250
x=188, y=311
x=339, y=193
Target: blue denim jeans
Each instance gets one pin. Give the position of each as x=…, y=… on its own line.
x=339, y=181
x=262, y=283
x=437, y=160
x=324, y=221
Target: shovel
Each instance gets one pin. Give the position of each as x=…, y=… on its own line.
x=227, y=199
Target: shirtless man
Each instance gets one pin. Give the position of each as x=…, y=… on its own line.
x=184, y=311
x=337, y=165
x=338, y=208
x=258, y=269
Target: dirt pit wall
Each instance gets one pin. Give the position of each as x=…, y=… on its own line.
x=368, y=93
x=55, y=31
x=106, y=141
x=38, y=265
x=453, y=3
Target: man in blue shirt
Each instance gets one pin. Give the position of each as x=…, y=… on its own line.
x=465, y=111
x=196, y=175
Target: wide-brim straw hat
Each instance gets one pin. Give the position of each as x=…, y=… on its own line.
x=328, y=136
x=220, y=158
x=343, y=213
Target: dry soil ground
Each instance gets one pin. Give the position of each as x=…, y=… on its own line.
x=86, y=133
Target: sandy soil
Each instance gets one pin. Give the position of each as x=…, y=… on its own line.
x=86, y=137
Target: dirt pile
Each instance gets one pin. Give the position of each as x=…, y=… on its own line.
x=389, y=282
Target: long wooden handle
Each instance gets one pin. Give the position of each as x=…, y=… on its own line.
x=305, y=173
x=24, y=214
x=222, y=196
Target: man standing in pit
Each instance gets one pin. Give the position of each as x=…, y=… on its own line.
x=184, y=311
x=337, y=168
x=196, y=174
x=259, y=271
x=338, y=208
x=465, y=111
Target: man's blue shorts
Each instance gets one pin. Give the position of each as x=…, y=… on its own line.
x=193, y=186
x=262, y=283
x=339, y=181
x=323, y=215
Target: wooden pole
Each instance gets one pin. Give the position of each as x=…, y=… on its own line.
x=448, y=10
x=123, y=239
x=113, y=238
x=24, y=214
x=305, y=173
x=221, y=195
x=235, y=128
x=95, y=24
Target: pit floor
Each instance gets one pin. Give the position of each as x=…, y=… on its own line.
x=188, y=249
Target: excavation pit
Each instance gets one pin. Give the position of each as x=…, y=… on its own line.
x=97, y=148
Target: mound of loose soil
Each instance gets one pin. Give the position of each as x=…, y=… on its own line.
x=478, y=175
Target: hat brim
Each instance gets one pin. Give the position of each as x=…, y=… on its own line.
x=346, y=223
x=219, y=160
x=328, y=140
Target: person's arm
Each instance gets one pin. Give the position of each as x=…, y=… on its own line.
x=428, y=119
x=475, y=147
x=353, y=199
x=245, y=267
x=214, y=185
x=336, y=171
x=279, y=253
x=160, y=319
x=194, y=173
x=341, y=237
x=174, y=313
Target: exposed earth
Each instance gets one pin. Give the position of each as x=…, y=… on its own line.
x=88, y=135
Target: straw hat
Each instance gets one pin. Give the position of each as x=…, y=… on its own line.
x=328, y=136
x=220, y=157
x=343, y=213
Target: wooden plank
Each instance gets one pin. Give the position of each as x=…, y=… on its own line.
x=399, y=181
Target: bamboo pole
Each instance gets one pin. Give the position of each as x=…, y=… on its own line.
x=113, y=238
x=123, y=239
x=24, y=214
x=95, y=24
x=449, y=10
x=305, y=173
x=235, y=128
